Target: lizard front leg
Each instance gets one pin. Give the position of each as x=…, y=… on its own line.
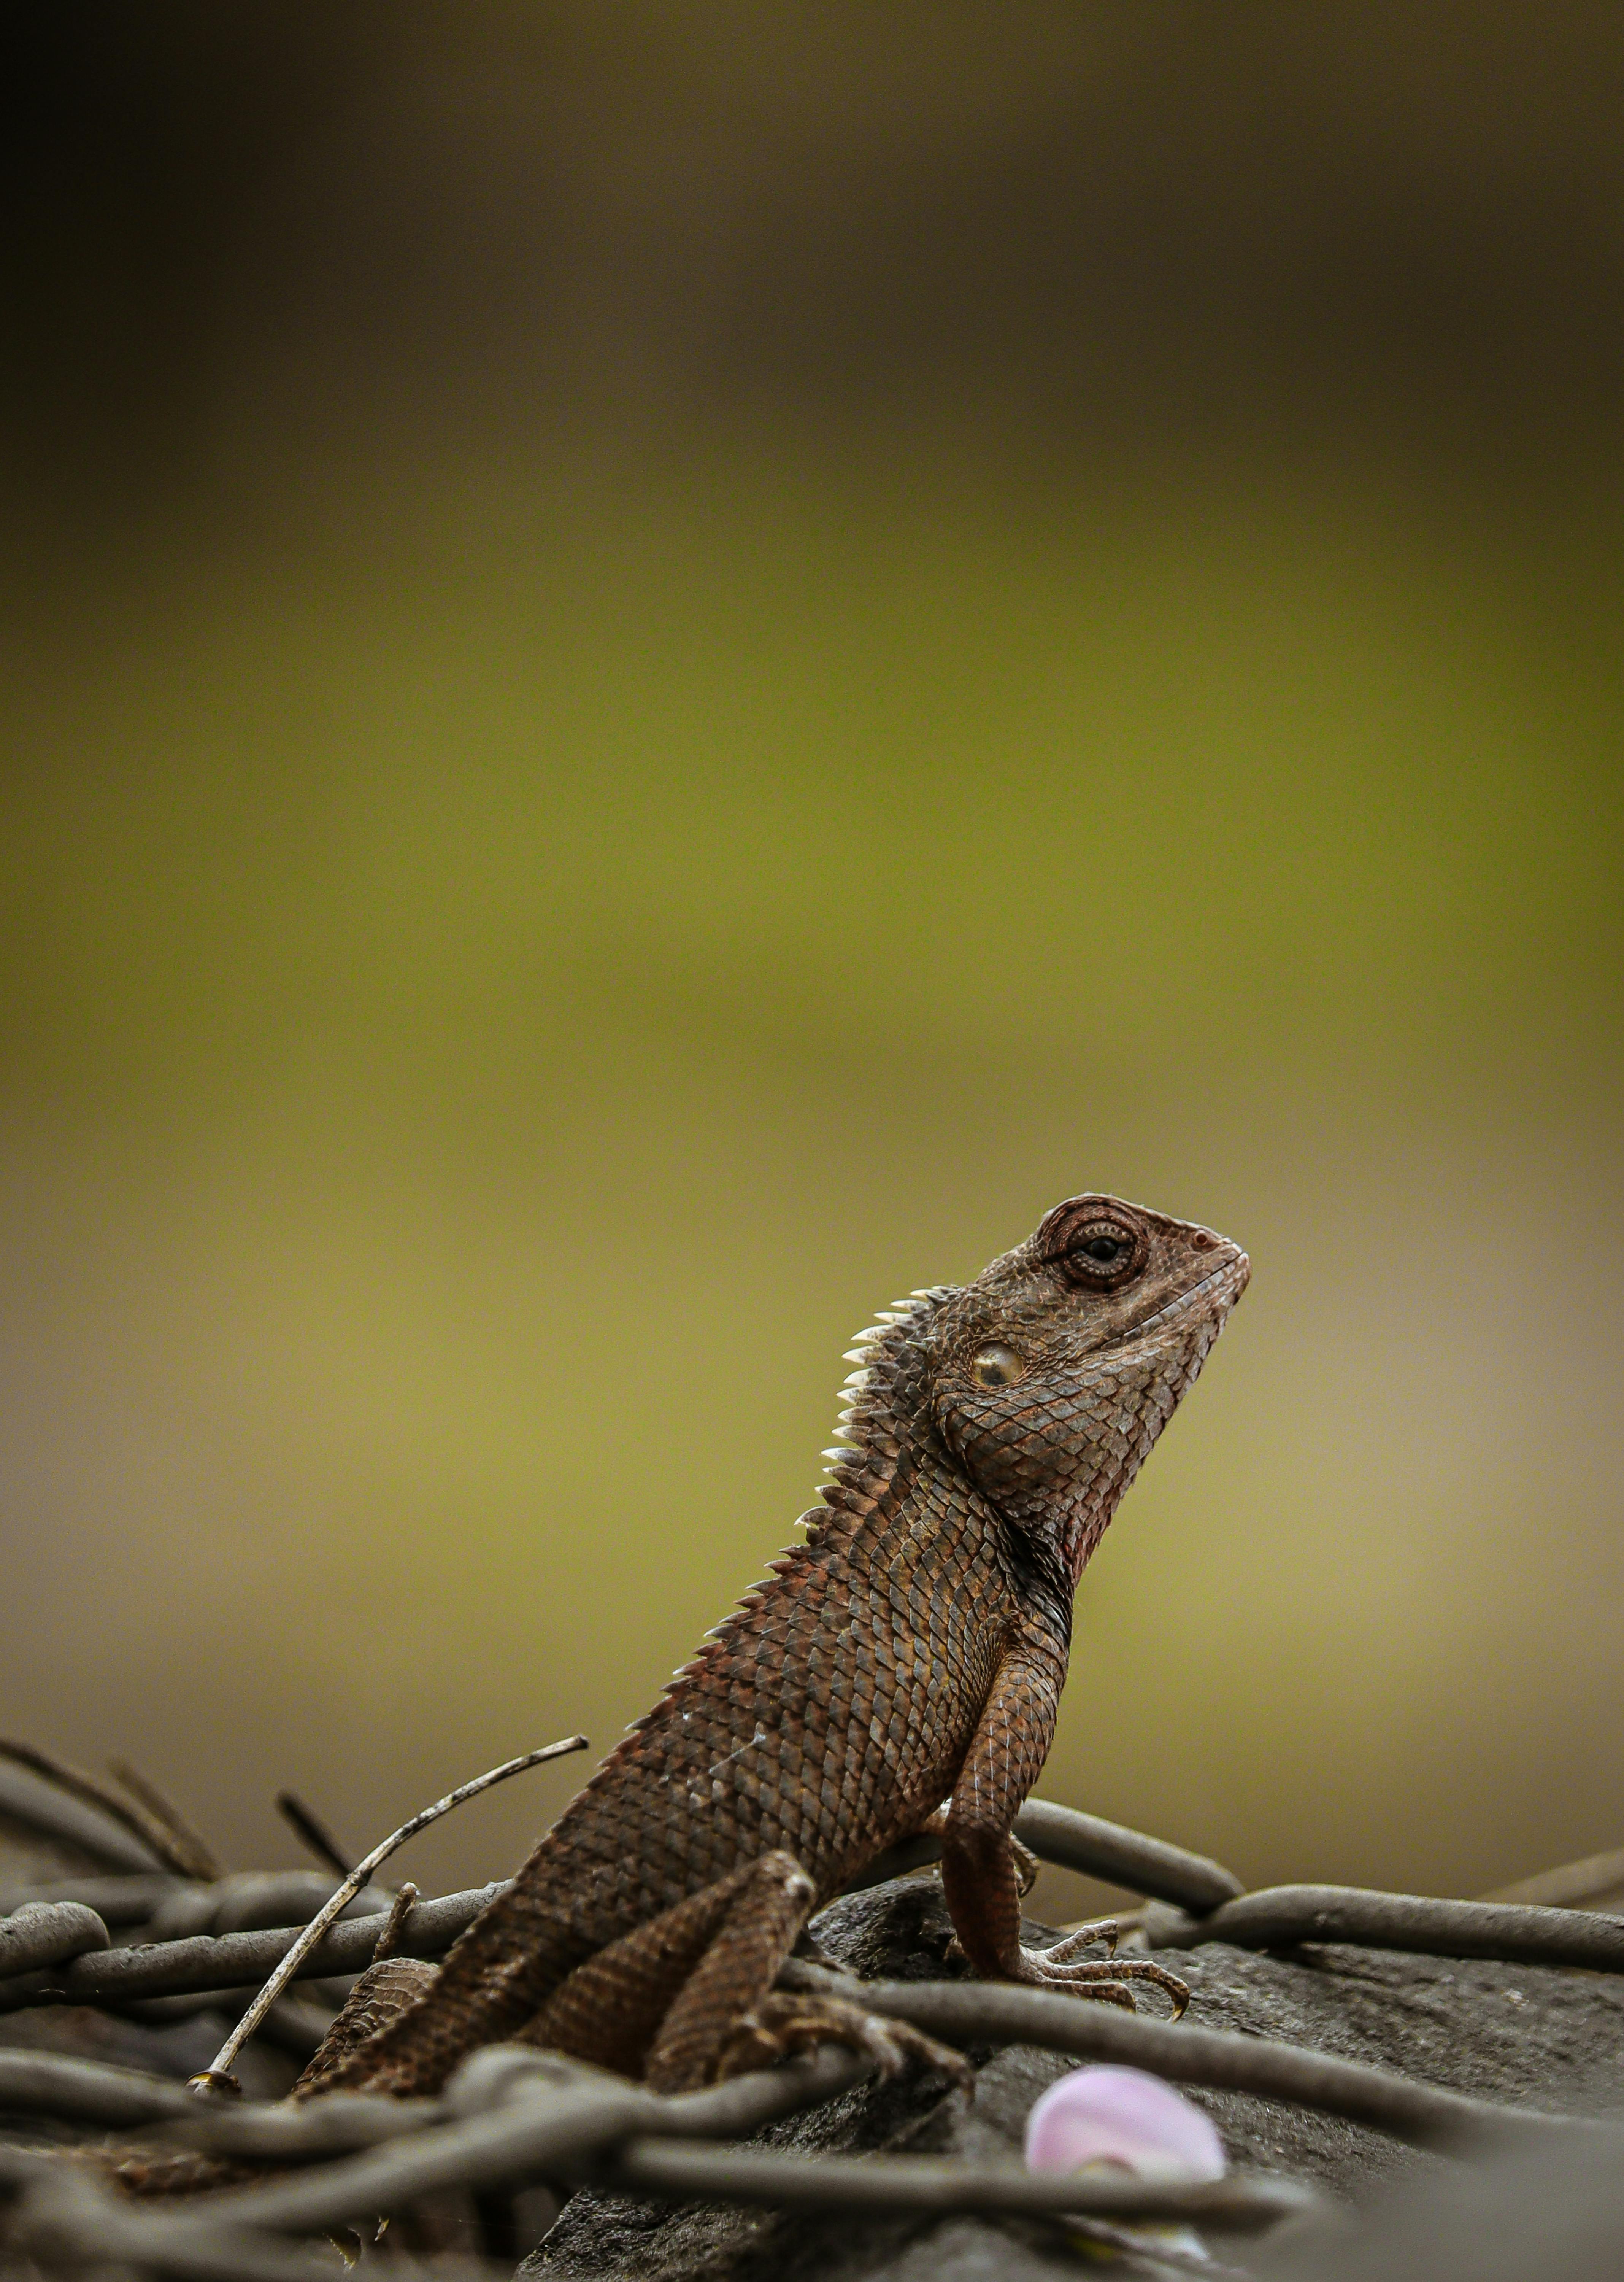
x=979, y=1867
x=1026, y=1863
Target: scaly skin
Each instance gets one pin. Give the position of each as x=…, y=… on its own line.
x=913, y=1649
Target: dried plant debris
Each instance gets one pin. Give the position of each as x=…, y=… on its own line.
x=1339, y=2072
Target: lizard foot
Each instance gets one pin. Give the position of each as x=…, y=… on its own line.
x=786, y=2022
x=1106, y=1978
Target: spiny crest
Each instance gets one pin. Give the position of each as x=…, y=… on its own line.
x=871, y=1350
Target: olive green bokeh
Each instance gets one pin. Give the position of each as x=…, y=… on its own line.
x=501, y=986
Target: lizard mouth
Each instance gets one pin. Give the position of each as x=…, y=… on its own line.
x=1236, y=1271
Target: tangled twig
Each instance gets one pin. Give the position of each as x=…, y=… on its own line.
x=928, y=2185
x=1568, y=1885
x=309, y=1828
x=1276, y=1916
x=126, y=1900
x=202, y=1963
x=152, y=1830
x=193, y=1855
x=1099, y=1848
x=1123, y=1856
x=513, y=2117
x=40, y=1802
x=344, y=1893
x=994, y=2012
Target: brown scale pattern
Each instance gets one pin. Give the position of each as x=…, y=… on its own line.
x=912, y=1650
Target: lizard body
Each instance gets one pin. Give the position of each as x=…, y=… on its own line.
x=911, y=1651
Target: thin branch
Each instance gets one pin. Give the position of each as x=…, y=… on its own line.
x=559, y=2119
x=226, y=1962
x=929, y=2185
x=75, y=1806
x=43, y=1934
x=538, y=2136
x=1123, y=1856
x=204, y=1962
x=146, y=1827
x=394, y=1931
x=1276, y=1916
x=1570, y=1885
x=971, y=2013
x=199, y=1855
x=69, y=2221
x=342, y=2122
x=278, y=2131
x=309, y=1827
x=118, y=1901
x=534, y=2115
x=1103, y=1850
x=345, y=1893
x=87, y=2091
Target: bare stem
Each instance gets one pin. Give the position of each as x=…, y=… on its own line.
x=152, y=1832
x=188, y=1842
x=313, y=1832
x=1275, y=1916
x=346, y=1893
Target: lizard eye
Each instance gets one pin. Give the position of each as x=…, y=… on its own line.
x=1104, y=1253
x=996, y=1365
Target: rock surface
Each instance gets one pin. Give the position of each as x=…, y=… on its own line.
x=1537, y=2036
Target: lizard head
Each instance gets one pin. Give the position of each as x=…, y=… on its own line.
x=1053, y=1373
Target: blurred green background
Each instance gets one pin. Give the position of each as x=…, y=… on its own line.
x=666, y=667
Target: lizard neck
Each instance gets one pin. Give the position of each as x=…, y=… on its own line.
x=897, y=1487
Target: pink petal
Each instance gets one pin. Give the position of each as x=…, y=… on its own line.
x=1122, y=2115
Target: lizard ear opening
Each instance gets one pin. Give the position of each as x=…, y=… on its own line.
x=996, y=1365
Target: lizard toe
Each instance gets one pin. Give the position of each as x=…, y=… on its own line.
x=1106, y=1978
x=786, y=2022
x=1084, y=1936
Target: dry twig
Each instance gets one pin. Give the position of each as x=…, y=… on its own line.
x=511, y=2115
x=152, y=1833
x=197, y=1854
x=1276, y=1916
x=1123, y=1856
x=43, y=1934
x=1568, y=1885
x=119, y=1901
x=41, y=1804
x=87, y=2092
x=309, y=1827
x=394, y=1931
x=343, y=1895
x=218, y=1962
x=1103, y=1850
x=932, y=2186
x=993, y=2013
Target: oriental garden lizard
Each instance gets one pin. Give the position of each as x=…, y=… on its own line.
x=910, y=1651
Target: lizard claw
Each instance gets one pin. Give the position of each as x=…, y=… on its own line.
x=1027, y=1867
x=786, y=2022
